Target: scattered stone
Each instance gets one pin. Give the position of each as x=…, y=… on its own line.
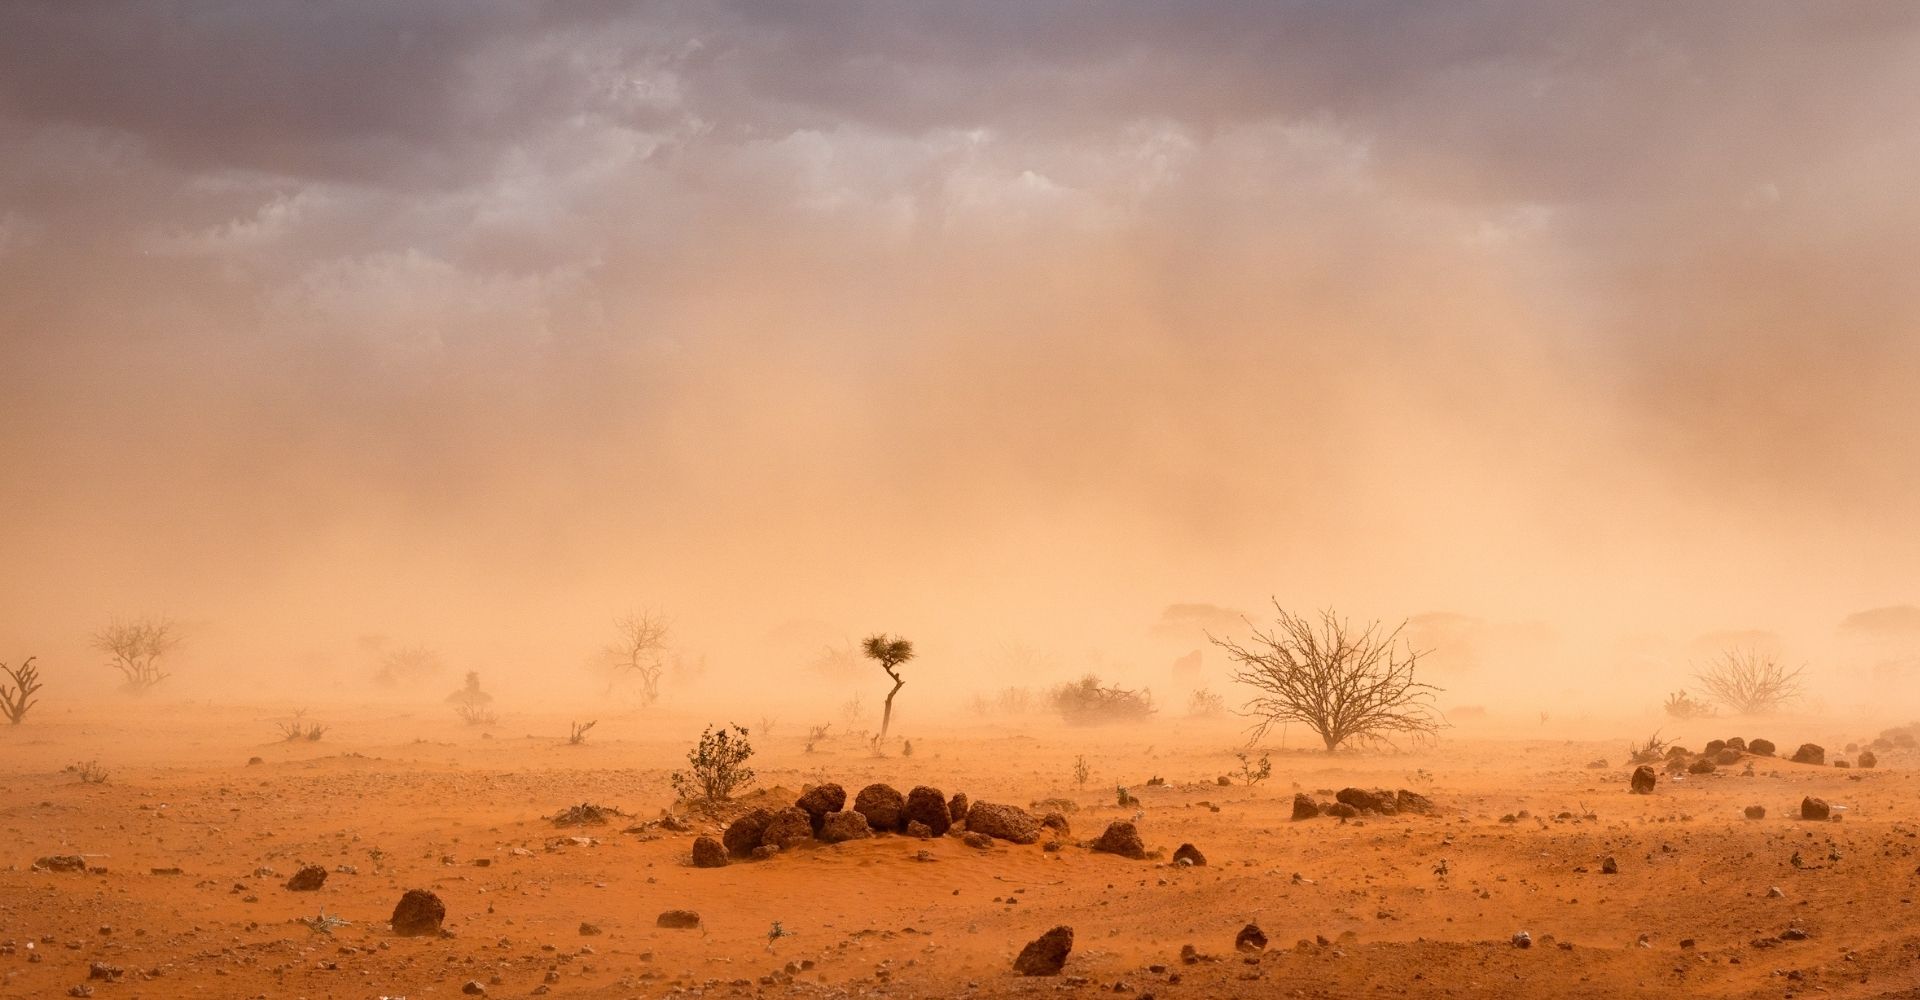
x=928, y=806
x=820, y=800
x=790, y=828
x=1057, y=822
x=1609, y=866
x=473, y=988
x=978, y=840
x=1010, y=823
x=1597, y=764
x=588, y=929
x=1736, y=743
x=1810, y=753
x=1412, y=802
x=883, y=806
x=920, y=831
x=1727, y=757
x=1250, y=939
x=1867, y=759
x=255, y=761
x=1365, y=801
x=419, y=913
x=307, y=879
x=709, y=853
x=1714, y=747
x=1046, y=954
x=1701, y=766
x=839, y=827
x=1522, y=939
x=1123, y=839
x=165, y=871
x=1304, y=807
x=679, y=920
x=1775, y=893
x=585, y=814
x=957, y=808
x=743, y=834
x=1756, y=812
x=1187, y=854
x=1341, y=809
x=1643, y=780
x=62, y=863
x=1793, y=934
x=1813, y=808
x=103, y=971
x=1842, y=764
x=1762, y=748
x=764, y=852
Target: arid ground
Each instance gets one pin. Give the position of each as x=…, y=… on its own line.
x=188, y=847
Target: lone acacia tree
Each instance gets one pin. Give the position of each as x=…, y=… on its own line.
x=136, y=648
x=890, y=651
x=18, y=697
x=1750, y=682
x=1342, y=683
x=640, y=650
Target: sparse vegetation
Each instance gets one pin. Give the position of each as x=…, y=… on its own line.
x=408, y=666
x=18, y=696
x=890, y=652
x=1750, y=682
x=1346, y=685
x=1683, y=706
x=851, y=712
x=640, y=649
x=89, y=772
x=1081, y=771
x=300, y=730
x=717, y=766
x=1652, y=751
x=1254, y=772
x=135, y=648
x=1089, y=702
x=1206, y=704
x=577, y=732
x=472, y=704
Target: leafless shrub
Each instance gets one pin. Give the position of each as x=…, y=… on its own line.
x=1088, y=702
x=1344, y=684
x=406, y=666
x=135, y=648
x=1206, y=704
x=1652, y=751
x=472, y=704
x=640, y=649
x=1750, y=682
x=1081, y=771
x=1683, y=706
x=16, y=698
x=577, y=733
x=89, y=772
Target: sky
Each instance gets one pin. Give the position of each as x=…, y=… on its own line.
x=1001, y=325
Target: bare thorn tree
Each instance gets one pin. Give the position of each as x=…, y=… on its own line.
x=890, y=652
x=1343, y=684
x=17, y=697
x=136, y=648
x=1749, y=682
x=640, y=650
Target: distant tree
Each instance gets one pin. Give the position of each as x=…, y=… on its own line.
x=718, y=766
x=1344, y=684
x=405, y=666
x=889, y=652
x=136, y=648
x=18, y=697
x=1750, y=682
x=640, y=650
x=471, y=703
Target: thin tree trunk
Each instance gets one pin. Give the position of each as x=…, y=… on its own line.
x=886, y=717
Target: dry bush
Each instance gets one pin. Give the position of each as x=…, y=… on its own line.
x=1652, y=751
x=89, y=772
x=1206, y=704
x=1683, y=706
x=577, y=732
x=408, y=666
x=1750, y=682
x=473, y=704
x=1087, y=702
x=136, y=648
x=1343, y=684
x=300, y=730
x=718, y=766
x=16, y=698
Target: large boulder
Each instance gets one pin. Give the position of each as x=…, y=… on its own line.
x=883, y=806
x=1368, y=802
x=1810, y=753
x=1761, y=748
x=1123, y=839
x=1304, y=807
x=1046, y=954
x=1643, y=780
x=1736, y=743
x=307, y=879
x=929, y=806
x=1714, y=747
x=820, y=800
x=1867, y=759
x=957, y=808
x=743, y=834
x=1010, y=823
x=1412, y=802
x=709, y=853
x=790, y=828
x=679, y=920
x=1189, y=856
x=844, y=826
x=1812, y=808
x=419, y=913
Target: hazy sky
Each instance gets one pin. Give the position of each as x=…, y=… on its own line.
x=476, y=323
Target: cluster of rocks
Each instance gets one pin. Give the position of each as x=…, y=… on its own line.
x=1724, y=753
x=822, y=814
x=1350, y=802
